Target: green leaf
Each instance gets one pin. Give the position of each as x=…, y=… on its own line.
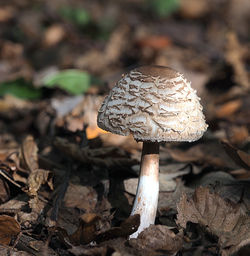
x=20, y=89
x=163, y=8
x=78, y=16
x=72, y=81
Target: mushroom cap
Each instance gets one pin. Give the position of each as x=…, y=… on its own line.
x=153, y=103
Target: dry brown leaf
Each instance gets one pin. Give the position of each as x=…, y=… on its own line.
x=54, y=34
x=87, y=229
x=6, y=13
x=90, y=229
x=95, y=60
x=228, y=108
x=36, y=179
x=9, y=102
x=237, y=16
x=155, y=42
x=168, y=200
x=29, y=153
x=106, y=156
x=116, y=44
x=157, y=237
x=9, y=229
x=33, y=246
x=235, y=56
x=4, y=191
x=10, y=251
x=209, y=153
x=240, y=157
x=31, y=218
x=89, y=251
x=127, y=227
x=193, y=9
x=82, y=197
x=222, y=218
x=244, y=157
x=15, y=204
x=29, y=160
x=238, y=134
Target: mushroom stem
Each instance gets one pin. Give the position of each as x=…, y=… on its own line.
x=146, y=199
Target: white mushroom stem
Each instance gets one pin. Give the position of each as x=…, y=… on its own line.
x=146, y=199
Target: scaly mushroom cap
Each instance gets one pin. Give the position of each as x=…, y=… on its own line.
x=153, y=103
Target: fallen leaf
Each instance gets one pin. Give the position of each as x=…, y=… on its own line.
x=29, y=153
x=157, y=238
x=33, y=246
x=53, y=35
x=6, y=13
x=9, y=49
x=31, y=218
x=240, y=157
x=155, y=42
x=81, y=197
x=234, y=55
x=9, y=102
x=9, y=229
x=92, y=251
x=15, y=204
x=209, y=153
x=72, y=81
x=86, y=231
x=106, y=156
x=220, y=217
x=127, y=227
x=4, y=191
x=36, y=179
x=228, y=109
x=193, y=9
x=238, y=134
x=168, y=200
x=10, y=251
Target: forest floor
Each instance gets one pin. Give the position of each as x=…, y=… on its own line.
x=66, y=186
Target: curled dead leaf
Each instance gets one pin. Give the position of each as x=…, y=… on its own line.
x=87, y=229
x=81, y=197
x=154, y=42
x=127, y=227
x=209, y=153
x=158, y=237
x=222, y=218
x=54, y=34
x=29, y=155
x=240, y=157
x=9, y=229
x=106, y=156
x=228, y=109
x=36, y=179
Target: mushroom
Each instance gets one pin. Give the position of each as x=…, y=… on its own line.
x=155, y=104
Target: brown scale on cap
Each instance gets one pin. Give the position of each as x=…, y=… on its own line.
x=153, y=103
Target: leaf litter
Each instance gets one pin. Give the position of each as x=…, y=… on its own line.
x=220, y=217
x=66, y=186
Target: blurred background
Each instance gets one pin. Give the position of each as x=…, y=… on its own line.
x=78, y=47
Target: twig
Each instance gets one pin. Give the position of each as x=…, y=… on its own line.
x=6, y=176
x=60, y=195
